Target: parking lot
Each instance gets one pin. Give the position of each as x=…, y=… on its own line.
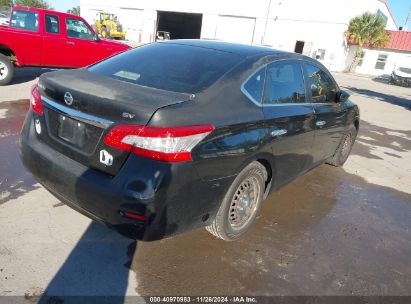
x=333, y=231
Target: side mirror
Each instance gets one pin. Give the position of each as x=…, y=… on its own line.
x=96, y=38
x=342, y=96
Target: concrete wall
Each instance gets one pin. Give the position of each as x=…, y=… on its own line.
x=321, y=23
x=225, y=20
x=278, y=23
x=283, y=35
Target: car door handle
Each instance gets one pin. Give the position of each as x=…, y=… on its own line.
x=320, y=123
x=70, y=42
x=278, y=132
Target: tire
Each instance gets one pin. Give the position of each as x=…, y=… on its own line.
x=108, y=29
x=104, y=33
x=228, y=224
x=344, y=149
x=6, y=70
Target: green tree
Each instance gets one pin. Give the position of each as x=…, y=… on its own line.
x=366, y=30
x=75, y=11
x=6, y=3
x=33, y=3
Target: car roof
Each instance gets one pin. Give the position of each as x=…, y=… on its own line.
x=235, y=48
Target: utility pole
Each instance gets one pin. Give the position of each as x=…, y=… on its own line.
x=406, y=20
x=266, y=21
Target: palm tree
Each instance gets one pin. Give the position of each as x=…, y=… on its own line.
x=366, y=30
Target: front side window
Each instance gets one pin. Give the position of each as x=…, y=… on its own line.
x=323, y=88
x=78, y=29
x=255, y=85
x=285, y=83
x=52, y=24
x=25, y=20
x=381, y=60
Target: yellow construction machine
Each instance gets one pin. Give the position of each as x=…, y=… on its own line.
x=108, y=26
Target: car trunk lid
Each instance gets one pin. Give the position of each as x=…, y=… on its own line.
x=81, y=107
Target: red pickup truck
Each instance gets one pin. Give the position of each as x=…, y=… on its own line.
x=45, y=38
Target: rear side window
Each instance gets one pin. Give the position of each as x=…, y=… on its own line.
x=25, y=20
x=167, y=66
x=285, y=83
x=323, y=88
x=254, y=86
x=52, y=24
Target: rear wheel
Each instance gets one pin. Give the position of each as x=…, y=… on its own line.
x=241, y=203
x=344, y=149
x=105, y=32
x=6, y=70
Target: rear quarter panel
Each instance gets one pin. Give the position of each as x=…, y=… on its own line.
x=240, y=131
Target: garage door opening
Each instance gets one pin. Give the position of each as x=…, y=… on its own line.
x=180, y=25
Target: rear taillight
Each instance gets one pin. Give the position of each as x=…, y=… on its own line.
x=35, y=100
x=170, y=144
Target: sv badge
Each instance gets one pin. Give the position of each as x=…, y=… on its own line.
x=106, y=158
x=128, y=115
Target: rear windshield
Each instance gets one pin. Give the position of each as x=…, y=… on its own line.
x=172, y=67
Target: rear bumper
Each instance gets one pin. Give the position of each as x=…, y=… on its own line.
x=172, y=196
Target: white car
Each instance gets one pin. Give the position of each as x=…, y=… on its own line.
x=4, y=19
x=401, y=76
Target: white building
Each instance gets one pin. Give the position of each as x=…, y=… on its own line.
x=315, y=28
x=382, y=61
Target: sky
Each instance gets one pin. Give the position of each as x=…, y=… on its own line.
x=63, y=5
x=399, y=8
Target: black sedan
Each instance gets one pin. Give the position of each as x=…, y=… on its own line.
x=182, y=134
